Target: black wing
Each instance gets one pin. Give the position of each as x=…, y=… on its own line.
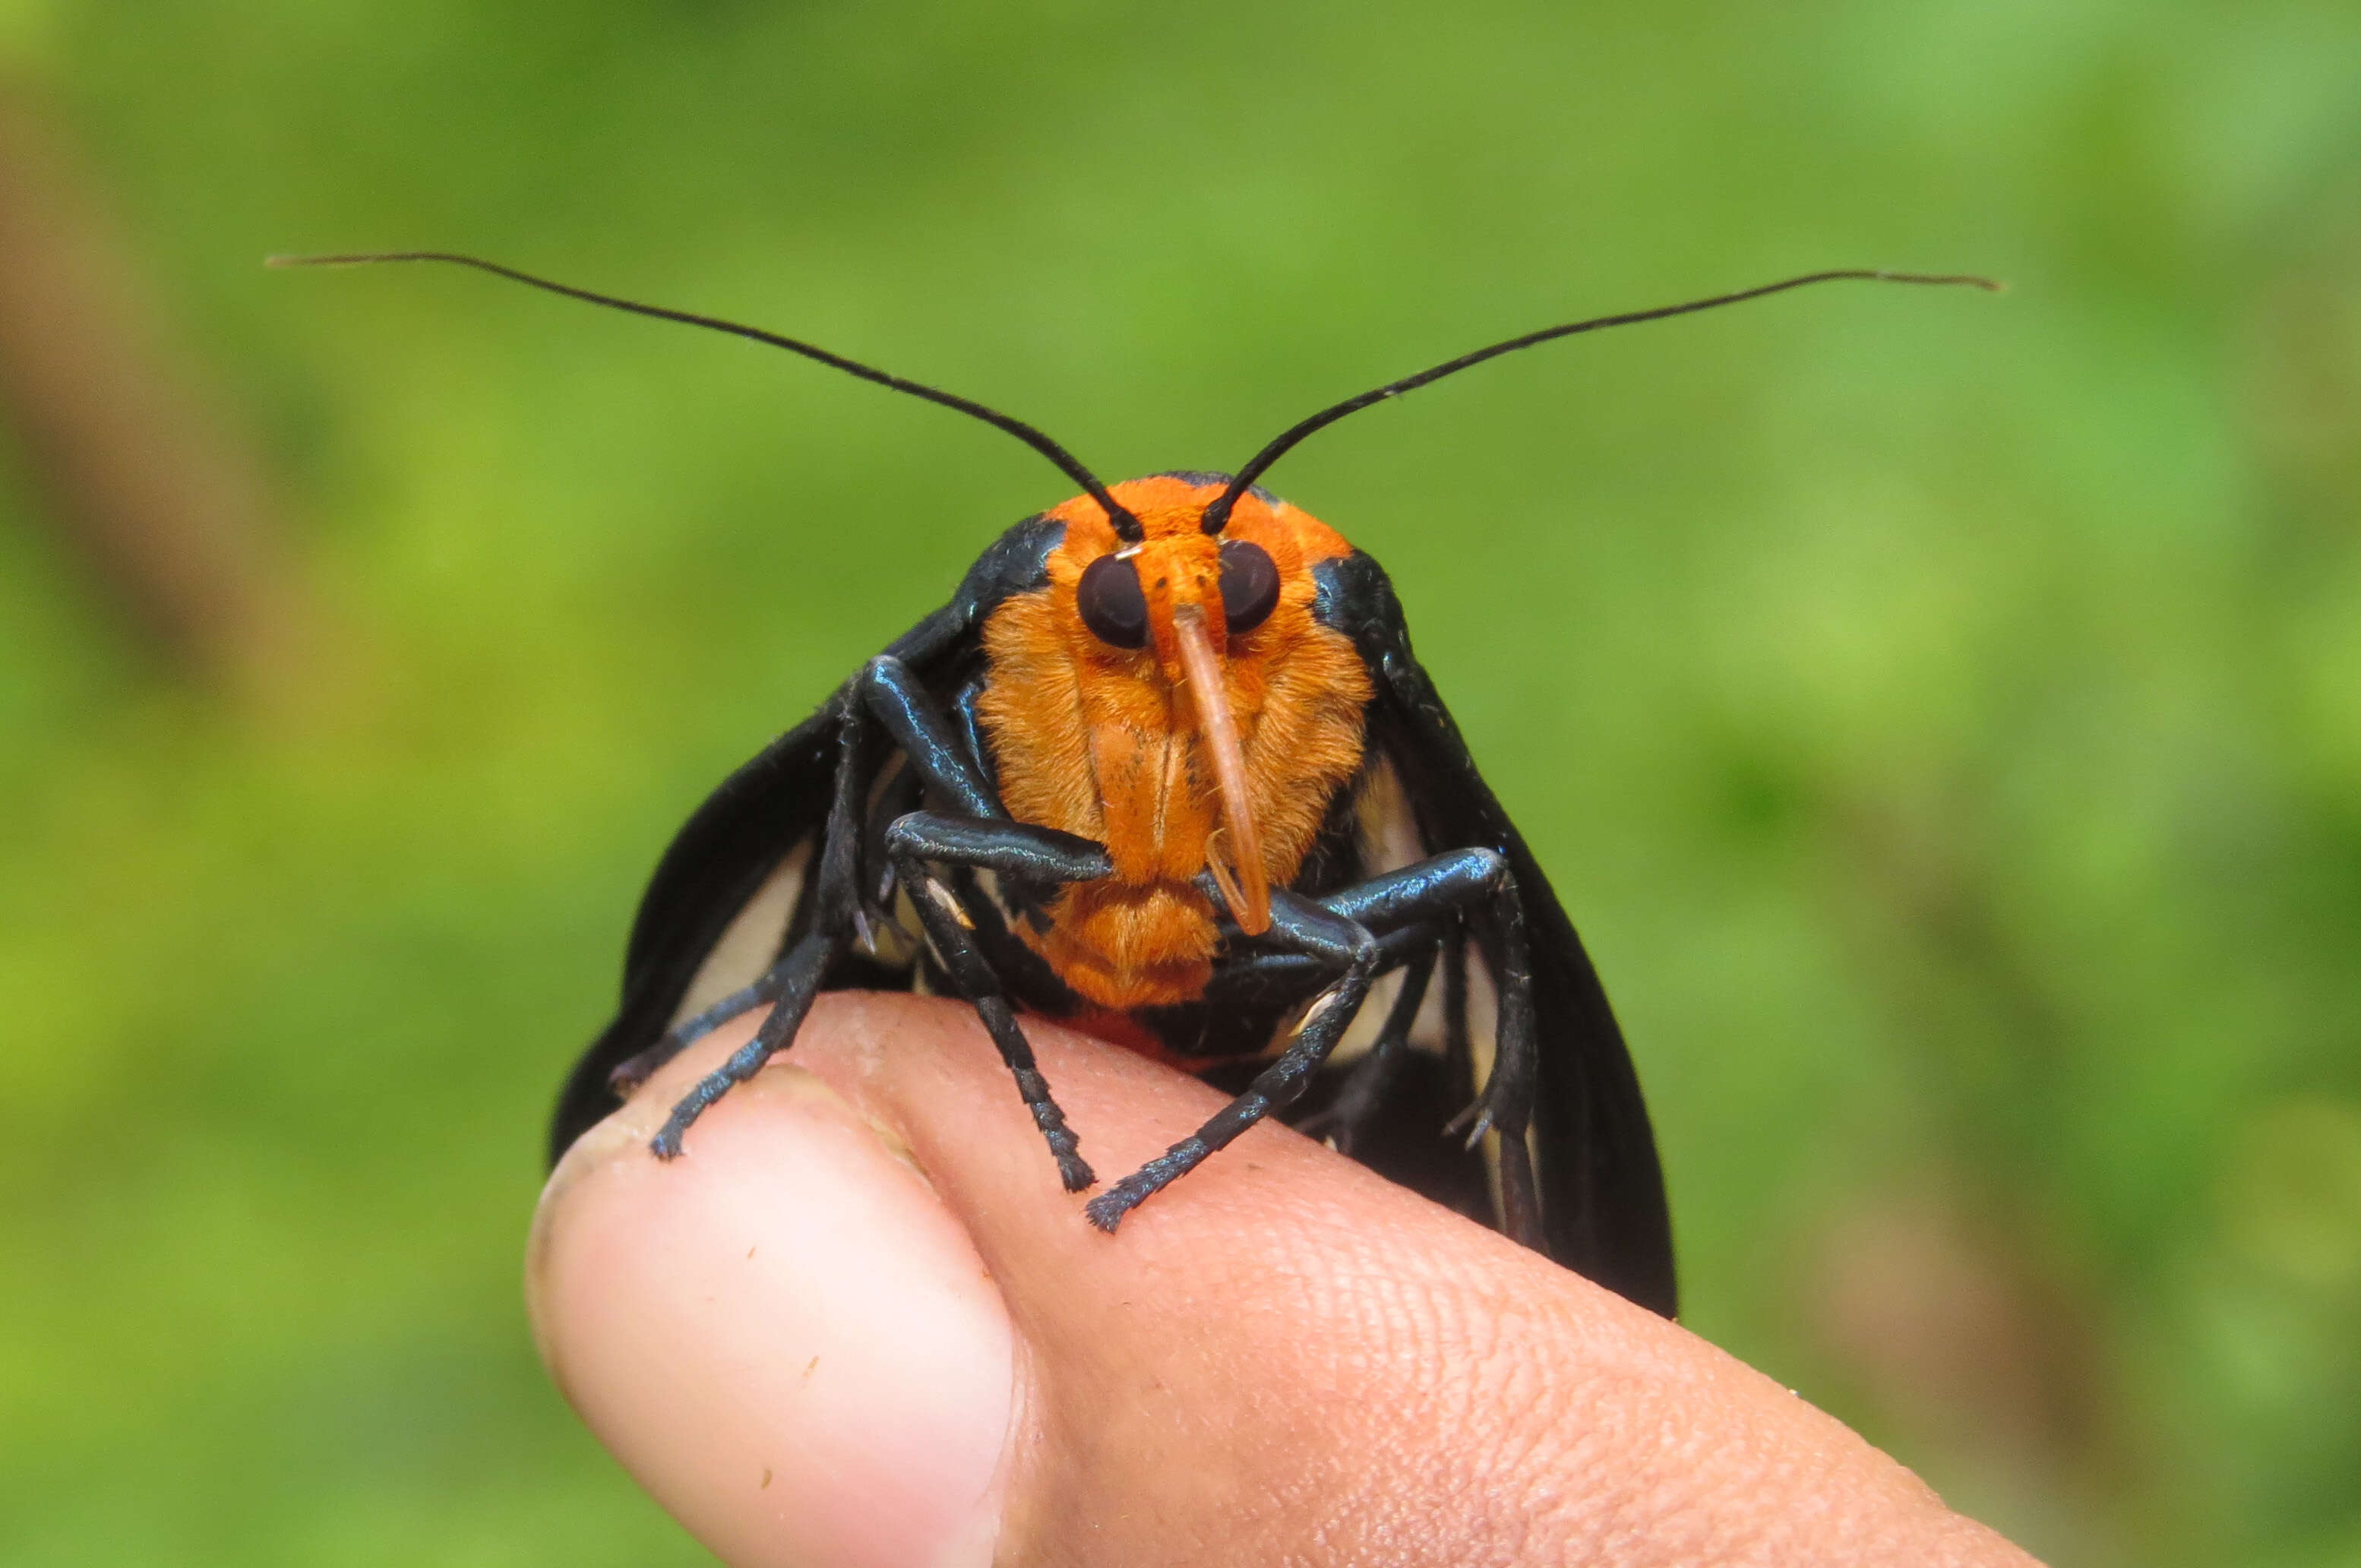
x=745, y=840
x=1602, y=1189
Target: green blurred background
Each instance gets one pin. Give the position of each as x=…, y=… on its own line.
x=1941, y=713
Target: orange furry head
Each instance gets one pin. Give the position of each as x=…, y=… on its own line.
x=1114, y=742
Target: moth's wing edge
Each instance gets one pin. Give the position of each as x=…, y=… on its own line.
x=754, y=819
x=1605, y=1213
x=716, y=864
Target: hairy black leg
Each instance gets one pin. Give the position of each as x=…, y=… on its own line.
x=885, y=693
x=1266, y=979
x=1505, y=1107
x=1364, y=1089
x=1406, y=909
x=1012, y=849
x=981, y=836
x=1337, y=932
x=791, y=983
x=967, y=711
x=799, y=973
x=1459, y=1055
x=897, y=798
x=918, y=728
x=628, y=1075
x=1480, y=882
x=1344, y=944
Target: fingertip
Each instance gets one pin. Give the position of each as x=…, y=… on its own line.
x=783, y=1336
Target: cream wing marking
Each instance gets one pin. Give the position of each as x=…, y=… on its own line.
x=751, y=941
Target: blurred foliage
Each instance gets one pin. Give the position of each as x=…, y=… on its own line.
x=1941, y=714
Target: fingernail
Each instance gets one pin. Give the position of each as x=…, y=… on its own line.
x=783, y=1335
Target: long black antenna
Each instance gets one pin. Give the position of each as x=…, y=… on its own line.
x=1125, y=525
x=1218, y=514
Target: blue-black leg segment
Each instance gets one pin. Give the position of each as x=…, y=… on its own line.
x=1009, y=849
x=886, y=695
x=1506, y=1105
x=1373, y=1076
x=1412, y=908
x=918, y=727
x=628, y=1075
x=1349, y=949
x=1012, y=849
x=1406, y=909
x=1459, y=879
x=799, y=975
x=791, y=983
x=967, y=713
x=1246, y=979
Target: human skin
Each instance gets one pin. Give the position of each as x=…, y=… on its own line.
x=859, y=1322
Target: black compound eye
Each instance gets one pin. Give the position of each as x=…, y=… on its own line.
x=1111, y=603
x=1249, y=584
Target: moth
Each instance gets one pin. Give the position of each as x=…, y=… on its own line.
x=1166, y=769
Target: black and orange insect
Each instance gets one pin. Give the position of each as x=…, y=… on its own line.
x=1166, y=769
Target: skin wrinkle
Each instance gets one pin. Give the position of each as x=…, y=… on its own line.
x=1672, y=1473
x=1413, y=1324
x=632, y=1258
x=1414, y=1328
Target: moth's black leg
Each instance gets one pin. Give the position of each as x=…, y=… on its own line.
x=898, y=798
x=1373, y=1075
x=1012, y=849
x=1407, y=909
x=791, y=983
x=628, y=1075
x=948, y=752
x=1413, y=906
x=799, y=974
x=1506, y=1105
x=903, y=705
x=950, y=760
x=1481, y=882
x=1459, y=1055
x=1344, y=944
x=1433, y=888
x=966, y=710
x=1026, y=900
x=1266, y=979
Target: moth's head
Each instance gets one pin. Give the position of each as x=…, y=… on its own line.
x=1196, y=621
x=1134, y=600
